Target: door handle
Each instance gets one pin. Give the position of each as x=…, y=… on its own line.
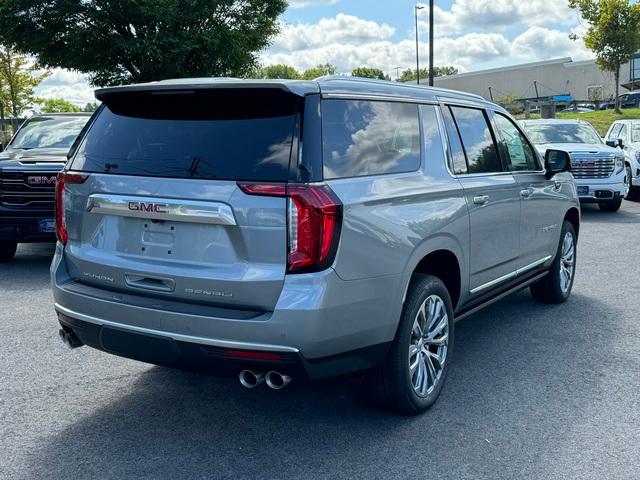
x=557, y=185
x=481, y=199
x=526, y=193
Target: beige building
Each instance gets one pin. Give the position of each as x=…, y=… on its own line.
x=561, y=77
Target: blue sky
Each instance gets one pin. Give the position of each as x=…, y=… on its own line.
x=470, y=34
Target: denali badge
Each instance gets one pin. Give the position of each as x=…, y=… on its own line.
x=42, y=180
x=148, y=207
x=207, y=293
x=95, y=276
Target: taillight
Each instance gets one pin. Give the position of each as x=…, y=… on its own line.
x=314, y=220
x=64, y=178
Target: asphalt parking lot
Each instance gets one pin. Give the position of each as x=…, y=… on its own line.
x=536, y=391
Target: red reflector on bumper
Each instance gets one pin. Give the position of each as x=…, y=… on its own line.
x=254, y=355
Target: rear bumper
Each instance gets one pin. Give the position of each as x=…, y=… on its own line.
x=327, y=325
x=25, y=229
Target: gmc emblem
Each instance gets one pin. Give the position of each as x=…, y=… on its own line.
x=41, y=180
x=148, y=207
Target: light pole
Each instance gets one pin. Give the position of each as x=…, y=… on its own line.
x=415, y=11
x=431, y=43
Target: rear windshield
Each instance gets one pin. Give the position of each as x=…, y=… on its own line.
x=49, y=132
x=224, y=134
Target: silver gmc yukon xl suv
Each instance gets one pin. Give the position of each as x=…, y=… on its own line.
x=304, y=229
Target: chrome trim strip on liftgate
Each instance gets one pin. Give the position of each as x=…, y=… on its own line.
x=215, y=342
x=153, y=208
x=511, y=275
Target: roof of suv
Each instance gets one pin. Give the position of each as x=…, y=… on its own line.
x=326, y=85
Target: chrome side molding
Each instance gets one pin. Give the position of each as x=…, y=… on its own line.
x=193, y=211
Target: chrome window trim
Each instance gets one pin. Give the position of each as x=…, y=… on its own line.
x=511, y=275
x=194, y=211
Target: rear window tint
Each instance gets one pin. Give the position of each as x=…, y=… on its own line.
x=226, y=134
x=482, y=155
x=369, y=138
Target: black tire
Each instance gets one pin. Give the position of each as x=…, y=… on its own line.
x=390, y=385
x=631, y=194
x=612, y=206
x=549, y=288
x=7, y=251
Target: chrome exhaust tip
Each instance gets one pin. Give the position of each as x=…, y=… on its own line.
x=70, y=339
x=250, y=379
x=277, y=380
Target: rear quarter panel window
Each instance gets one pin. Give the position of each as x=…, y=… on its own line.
x=369, y=138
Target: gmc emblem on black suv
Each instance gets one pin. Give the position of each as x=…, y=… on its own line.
x=148, y=207
x=41, y=180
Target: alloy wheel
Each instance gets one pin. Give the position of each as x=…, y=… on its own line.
x=567, y=262
x=428, y=345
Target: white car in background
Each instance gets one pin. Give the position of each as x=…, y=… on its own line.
x=625, y=134
x=599, y=169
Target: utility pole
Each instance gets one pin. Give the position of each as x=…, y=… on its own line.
x=431, y=43
x=397, y=69
x=415, y=11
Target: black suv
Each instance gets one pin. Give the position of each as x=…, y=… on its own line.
x=28, y=168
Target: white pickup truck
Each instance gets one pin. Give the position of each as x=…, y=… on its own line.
x=625, y=134
x=599, y=169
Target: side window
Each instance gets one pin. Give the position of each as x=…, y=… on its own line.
x=517, y=148
x=615, y=131
x=432, y=140
x=369, y=138
x=455, y=145
x=482, y=155
x=623, y=132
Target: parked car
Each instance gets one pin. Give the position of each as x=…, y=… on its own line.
x=625, y=134
x=28, y=168
x=304, y=229
x=630, y=99
x=598, y=168
x=577, y=109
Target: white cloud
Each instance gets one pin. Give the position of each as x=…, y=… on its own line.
x=537, y=43
x=344, y=29
x=310, y=3
x=71, y=86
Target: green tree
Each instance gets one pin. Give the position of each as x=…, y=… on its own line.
x=57, y=105
x=368, y=72
x=319, y=71
x=410, y=75
x=90, y=107
x=613, y=33
x=18, y=80
x=142, y=40
x=276, y=71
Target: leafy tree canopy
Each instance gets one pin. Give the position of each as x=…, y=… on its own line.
x=613, y=33
x=122, y=41
x=90, y=107
x=57, y=105
x=410, y=75
x=276, y=71
x=319, y=71
x=367, y=72
x=18, y=80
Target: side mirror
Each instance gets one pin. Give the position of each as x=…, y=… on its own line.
x=556, y=161
x=612, y=143
x=620, y=143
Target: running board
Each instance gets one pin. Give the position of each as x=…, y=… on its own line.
x=500, y=296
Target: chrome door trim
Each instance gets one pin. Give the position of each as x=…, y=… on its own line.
x=194, y=211
x=511, y=275
x=215, y=342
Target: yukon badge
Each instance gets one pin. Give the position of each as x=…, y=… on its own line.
x=148, y=207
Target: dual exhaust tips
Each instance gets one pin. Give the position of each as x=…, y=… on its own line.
x=274, y=380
